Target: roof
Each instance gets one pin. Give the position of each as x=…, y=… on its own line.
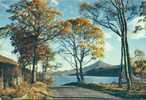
x=8, y=61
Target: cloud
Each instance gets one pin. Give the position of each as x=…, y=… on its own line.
x=131, y=27
x=3, y=5
x=108, y=47
x=137, y=36
x=55, y=2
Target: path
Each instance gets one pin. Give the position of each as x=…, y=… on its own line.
x=78, y=93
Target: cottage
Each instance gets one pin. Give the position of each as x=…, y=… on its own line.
x=9, y=71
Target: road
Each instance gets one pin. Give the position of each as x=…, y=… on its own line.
x=78, y=93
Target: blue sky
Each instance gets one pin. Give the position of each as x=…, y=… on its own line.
x=70, y=9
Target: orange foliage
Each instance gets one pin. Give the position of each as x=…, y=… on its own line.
x=82, y=26
x=82, y=21
x=98, y=52
x=39, y=3
x=8, y=91
x=22, y=89
x=144, y=70
x=96, y=32
x=66, y=27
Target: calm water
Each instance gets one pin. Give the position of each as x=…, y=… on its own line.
x=60, y=80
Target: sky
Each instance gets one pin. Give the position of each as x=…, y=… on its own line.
x=70, y=9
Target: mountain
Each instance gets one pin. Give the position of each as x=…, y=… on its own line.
x=101, y=69
x=97, y=69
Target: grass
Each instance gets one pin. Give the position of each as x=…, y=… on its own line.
x=25, y=91
x=114, y=90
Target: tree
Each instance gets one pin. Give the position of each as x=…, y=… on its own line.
x=141, y=23
x=33, y=23
x=80, y=40
x=113, y=15
x=45, y=55
x=139, y=62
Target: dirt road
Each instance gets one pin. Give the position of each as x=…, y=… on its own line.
x=77, y=93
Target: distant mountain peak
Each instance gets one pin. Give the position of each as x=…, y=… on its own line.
x=97, y=65
x=98, y=68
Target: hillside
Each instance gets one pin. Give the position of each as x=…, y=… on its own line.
x=97, y=69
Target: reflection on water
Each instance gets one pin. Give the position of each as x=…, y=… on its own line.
x=60, y=80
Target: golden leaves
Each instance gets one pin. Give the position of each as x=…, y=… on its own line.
x=66, y=30
x=85, y=30
x=96, y=32
x=83, y=44
x=82, y=21
x=144, y=70
x=39, y=3
x=53, y=11
x=96, y=49
x=98, y=52
x=42, y=6
x=66, y=27
x=82, y=25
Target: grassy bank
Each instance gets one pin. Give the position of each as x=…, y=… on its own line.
x=25, y=91
x=114, y=90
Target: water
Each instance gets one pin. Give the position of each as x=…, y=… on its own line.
x=62, y=79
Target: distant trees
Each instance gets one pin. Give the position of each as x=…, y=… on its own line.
x=113, y=15
x=33, y=24
x=139, y=63
x=79, y=41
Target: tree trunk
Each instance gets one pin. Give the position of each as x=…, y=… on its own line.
x=4, y=78
x=128, y=58
x=81, y=72
x=44, y=73
x=123, y=26
x=33, y=62
x=128, y=63
x=76, y=64
x=129, y=83
x=23, y=71
x=77, y=75
x=121, y=67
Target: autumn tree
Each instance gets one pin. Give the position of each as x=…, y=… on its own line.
x=33, y=23
x=114, y=15
x=80, y=40
x=139, y=63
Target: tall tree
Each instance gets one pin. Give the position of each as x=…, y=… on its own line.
x=81, y=40
x=113, y=15
x=33, y=23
